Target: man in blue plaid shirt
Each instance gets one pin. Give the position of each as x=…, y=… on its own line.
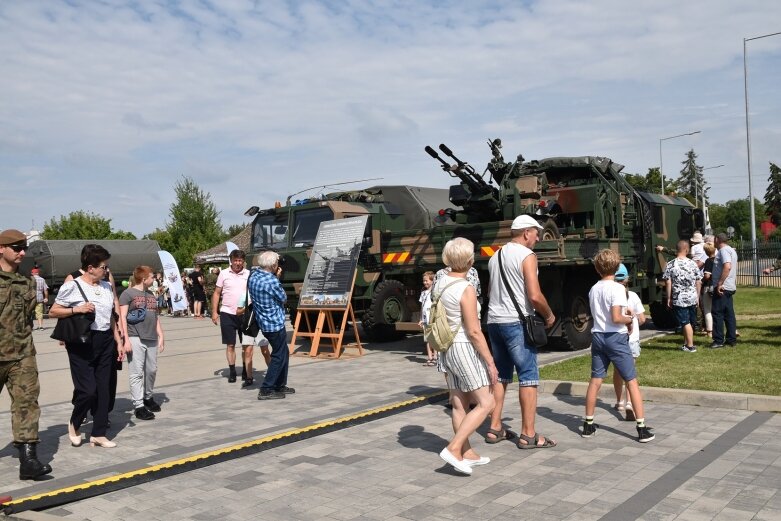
x=268, y=303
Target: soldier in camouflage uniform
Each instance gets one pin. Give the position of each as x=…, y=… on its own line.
x=18, y=368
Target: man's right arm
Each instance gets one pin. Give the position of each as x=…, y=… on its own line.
x=215, y=304
x=534, y=292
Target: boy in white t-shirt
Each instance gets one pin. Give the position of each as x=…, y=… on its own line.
x=610, y=343
x=635, y=305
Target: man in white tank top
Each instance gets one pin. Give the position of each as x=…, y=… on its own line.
x=508, y=345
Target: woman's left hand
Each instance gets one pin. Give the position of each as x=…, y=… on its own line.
x=493, y=374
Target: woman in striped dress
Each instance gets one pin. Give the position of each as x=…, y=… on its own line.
x=468, y=362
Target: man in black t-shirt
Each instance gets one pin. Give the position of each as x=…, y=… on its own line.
x=199, y=295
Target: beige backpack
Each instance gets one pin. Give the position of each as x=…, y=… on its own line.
x=438, y=333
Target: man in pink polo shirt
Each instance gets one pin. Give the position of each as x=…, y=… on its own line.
x=232, y=287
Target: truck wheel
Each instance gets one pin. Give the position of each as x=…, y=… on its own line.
x=662, y=316
x=387, y=308
x=550, y=231
x=576, y=326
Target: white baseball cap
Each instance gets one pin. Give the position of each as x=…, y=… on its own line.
x=525, y=221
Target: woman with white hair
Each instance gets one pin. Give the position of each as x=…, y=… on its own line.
x=468, y=362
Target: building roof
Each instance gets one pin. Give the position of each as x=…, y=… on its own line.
x=219, y=254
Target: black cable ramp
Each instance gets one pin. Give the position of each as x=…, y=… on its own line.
x=89, y=489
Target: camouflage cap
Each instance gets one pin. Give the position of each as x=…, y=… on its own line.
x=11, y=236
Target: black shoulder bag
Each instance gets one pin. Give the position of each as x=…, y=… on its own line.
x=249, y=326
x=533, y=325
x=76, y=328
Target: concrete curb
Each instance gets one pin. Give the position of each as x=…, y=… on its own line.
x=746, y=402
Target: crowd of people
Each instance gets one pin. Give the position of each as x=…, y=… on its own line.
x=127, y=327
x=478, y=376
x=702, y=279
x=100, y=330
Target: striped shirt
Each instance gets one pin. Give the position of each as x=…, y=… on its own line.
x=268, y=300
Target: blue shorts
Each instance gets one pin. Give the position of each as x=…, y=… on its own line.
x=685, y=315
x=510, y=351
x=612, y=347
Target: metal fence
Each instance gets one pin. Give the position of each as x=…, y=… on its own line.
x=767, y=253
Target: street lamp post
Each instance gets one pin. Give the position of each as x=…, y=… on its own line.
x=661, y=169
x=755, y=266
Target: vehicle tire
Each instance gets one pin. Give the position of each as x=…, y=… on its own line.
x=576, y=325
x=662, y=316
x=386, y=308
x=550, y=231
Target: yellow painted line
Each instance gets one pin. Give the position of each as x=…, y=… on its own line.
x=403, y=256
x=224, y=450
x=388, y=258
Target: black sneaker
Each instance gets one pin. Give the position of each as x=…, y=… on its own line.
x=286, y=390
x=716, y=345
x=268, y=394
x=247, y=382
x=231, y=378
x=589, y=429
x=142, y=413
x=687, y=349
x=152, y=405
x=644, y=434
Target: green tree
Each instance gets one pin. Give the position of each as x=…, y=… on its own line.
x=82, y=225
x=194, y=223
x=773, y=194
x=651, y=182
x=691, y=183
x=736, y=213
x=234, y=229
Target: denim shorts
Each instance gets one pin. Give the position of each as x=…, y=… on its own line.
x=685, y=315
x=510, y=351
x=612, y=347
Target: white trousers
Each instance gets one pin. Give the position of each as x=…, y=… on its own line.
x=142, y=370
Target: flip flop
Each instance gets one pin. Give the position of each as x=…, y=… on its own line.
x=502, y=435
x=533, y=442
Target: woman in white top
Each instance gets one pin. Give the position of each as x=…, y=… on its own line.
x=91, y=363
x=468, y=362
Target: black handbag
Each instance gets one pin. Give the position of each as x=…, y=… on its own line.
x=249, y=326
x=533, y=325
x=76, y=328
x=137, y=315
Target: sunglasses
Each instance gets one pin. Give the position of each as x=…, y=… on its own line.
x=19, y=247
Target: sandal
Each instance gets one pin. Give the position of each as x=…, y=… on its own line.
x=430, y=363
x=533, y=442
x=502, y=435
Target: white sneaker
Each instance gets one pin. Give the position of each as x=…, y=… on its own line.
x=460, y=466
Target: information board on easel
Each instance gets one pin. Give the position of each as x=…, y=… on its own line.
x=325, y=304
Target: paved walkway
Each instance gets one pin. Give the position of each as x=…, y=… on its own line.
x=706, y=463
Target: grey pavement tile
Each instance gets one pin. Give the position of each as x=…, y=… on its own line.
x=768, y=514
x=730, y=514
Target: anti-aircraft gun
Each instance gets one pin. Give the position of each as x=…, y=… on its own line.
x=473, y=194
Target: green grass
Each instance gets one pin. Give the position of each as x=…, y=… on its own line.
x=757, y=301
x=752, y=367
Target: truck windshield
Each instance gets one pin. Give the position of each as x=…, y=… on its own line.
x=269, y=232
x=306, y=223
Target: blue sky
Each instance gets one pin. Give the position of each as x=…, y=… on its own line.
x=104, y=105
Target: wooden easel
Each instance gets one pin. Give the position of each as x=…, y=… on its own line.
x=334, y=334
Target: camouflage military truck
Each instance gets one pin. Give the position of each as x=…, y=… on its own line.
x=583, y=203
